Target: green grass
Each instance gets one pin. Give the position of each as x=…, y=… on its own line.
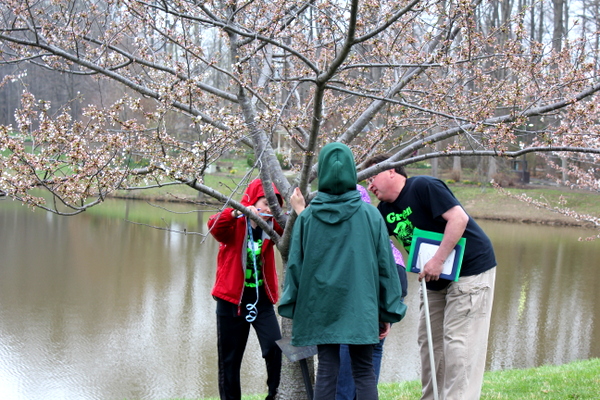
x=481, y=201
x=577, y=380
x=148, y=212
x=224, y=182
x=585, y=200
x=488, y=202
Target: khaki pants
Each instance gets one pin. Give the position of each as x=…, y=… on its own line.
x=460, y=322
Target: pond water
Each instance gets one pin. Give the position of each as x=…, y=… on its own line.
x=98, y=307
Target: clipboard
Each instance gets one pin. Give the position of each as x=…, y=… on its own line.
x=424, y=245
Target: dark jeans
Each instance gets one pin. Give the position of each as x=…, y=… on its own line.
x=232, y=331
x=361, y=357
x=346, y=390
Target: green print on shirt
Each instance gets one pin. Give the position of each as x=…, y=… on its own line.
x=251, y=279
x=404, y=228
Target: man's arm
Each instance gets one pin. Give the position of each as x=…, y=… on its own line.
x=457, y=220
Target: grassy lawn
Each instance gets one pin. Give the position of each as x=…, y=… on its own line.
x=481, y=201
x=577, y=380
x=487, y=202
x=224, y=181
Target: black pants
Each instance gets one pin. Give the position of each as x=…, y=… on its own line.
x=233, y=333
x=361, y=359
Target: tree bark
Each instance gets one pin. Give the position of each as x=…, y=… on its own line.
x=558, y=31
x=292, y=386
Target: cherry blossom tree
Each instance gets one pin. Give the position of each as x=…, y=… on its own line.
x=420, y=79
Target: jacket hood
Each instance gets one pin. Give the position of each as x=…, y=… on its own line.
x=255, y=191
x=338, y=198
x=333, y=209
x=337, y=170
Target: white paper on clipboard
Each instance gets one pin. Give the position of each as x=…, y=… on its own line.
x=426, y=252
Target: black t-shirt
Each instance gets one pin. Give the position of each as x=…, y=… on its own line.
x=421, y=204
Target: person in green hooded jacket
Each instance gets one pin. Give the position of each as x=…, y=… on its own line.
x=341, y=279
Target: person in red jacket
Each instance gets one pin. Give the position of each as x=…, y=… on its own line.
x=245, y=289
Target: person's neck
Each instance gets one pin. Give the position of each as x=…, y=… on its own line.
x=400, y=183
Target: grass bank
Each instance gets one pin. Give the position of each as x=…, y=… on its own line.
x=577, y=380
x=489, y=203
x=481, y=201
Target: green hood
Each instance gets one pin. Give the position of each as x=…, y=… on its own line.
x=332, y=209
x=337, y=170
x=338, y=198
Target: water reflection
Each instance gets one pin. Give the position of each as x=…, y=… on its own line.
x=544, y=311
x=93, y=307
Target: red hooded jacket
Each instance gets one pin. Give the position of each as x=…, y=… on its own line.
x=232, y=235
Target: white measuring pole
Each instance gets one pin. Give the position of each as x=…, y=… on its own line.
x=429, y=340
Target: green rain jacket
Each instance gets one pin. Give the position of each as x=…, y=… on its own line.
x=341, y=278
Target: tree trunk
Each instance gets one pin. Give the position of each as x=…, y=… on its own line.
x=434, y=168
x=492, y=168
x=456, y=169
x=292, y=386
x=456, y=164
x=564, y=165
x=435, y=171
x=558, y=32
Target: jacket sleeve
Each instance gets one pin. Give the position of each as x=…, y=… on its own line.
x=287, y=304
x=391, y=307
x=222, y=226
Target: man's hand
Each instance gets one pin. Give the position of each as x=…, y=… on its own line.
x=432, y=270
x=456, y=223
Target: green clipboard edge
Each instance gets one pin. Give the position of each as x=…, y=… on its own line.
x=423, y=236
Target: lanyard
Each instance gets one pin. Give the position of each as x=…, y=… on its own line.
x=252, y=310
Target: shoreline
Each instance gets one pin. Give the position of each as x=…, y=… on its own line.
x=513, y=211
x=537, y=221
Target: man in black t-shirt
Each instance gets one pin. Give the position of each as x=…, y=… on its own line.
x=459, y=311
